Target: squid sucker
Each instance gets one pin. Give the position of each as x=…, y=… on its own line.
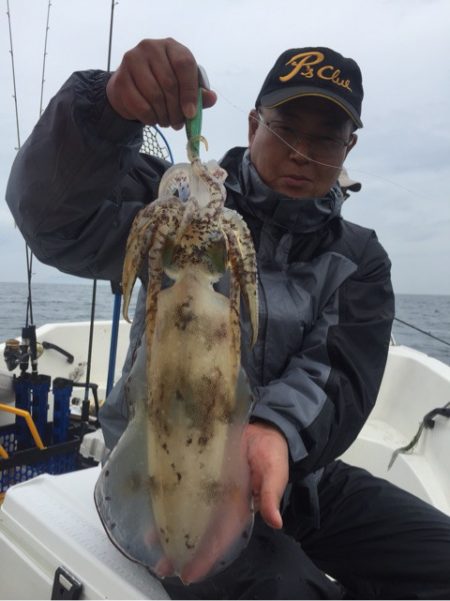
x=175, y=493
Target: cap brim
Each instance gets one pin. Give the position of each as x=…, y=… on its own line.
x=274, y=99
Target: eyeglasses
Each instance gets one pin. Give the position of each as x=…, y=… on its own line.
x=323, y=148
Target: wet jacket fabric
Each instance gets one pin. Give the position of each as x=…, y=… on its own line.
x=325, y=296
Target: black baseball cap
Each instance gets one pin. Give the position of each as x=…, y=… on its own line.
x=314, y=72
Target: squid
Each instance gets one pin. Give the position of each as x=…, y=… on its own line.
x=175, y=492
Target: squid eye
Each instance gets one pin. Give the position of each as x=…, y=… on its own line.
x=183, y=191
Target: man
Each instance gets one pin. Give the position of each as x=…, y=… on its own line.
x=326, y=307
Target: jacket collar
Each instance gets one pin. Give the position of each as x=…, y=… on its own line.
x=300, y=216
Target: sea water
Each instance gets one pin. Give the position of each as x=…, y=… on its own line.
x=72, y=302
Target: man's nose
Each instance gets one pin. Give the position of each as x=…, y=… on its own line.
x=300, y=149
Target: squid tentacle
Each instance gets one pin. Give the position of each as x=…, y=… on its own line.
x=162, y=215
x=243, y=262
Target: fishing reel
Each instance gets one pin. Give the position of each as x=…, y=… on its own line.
x=21, y=353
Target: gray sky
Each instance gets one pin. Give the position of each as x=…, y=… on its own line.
x=402, y=47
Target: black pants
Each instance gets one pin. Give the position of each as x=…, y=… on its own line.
x=375, y=540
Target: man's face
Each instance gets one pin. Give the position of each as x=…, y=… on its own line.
x=298, y=148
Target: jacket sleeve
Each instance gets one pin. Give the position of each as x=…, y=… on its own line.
x=77, y=182
x=328, y=389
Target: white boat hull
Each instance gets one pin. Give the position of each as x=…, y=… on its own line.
x=51, y=521
x=413, y=385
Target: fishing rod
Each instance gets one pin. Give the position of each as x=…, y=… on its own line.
x=28, y=252
x=116, y=289
x=47, y=27
x=29, y=259
x=11, y=51
x=29, y=331
x=111, y=24
x=32, y=390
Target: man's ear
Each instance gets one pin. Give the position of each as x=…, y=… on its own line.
x=253, y=122
x=352, y=143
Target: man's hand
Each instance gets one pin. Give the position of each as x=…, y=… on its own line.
x=156, y=83
x=268, y=456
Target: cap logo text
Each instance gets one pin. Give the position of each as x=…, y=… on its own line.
x=307, y=64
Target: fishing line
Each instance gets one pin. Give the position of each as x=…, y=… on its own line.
x=405, y=323
x=290, y=146
x=386, y=180
x=281, y=139
x=312, y=160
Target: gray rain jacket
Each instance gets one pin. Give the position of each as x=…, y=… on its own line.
x=326, y=301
